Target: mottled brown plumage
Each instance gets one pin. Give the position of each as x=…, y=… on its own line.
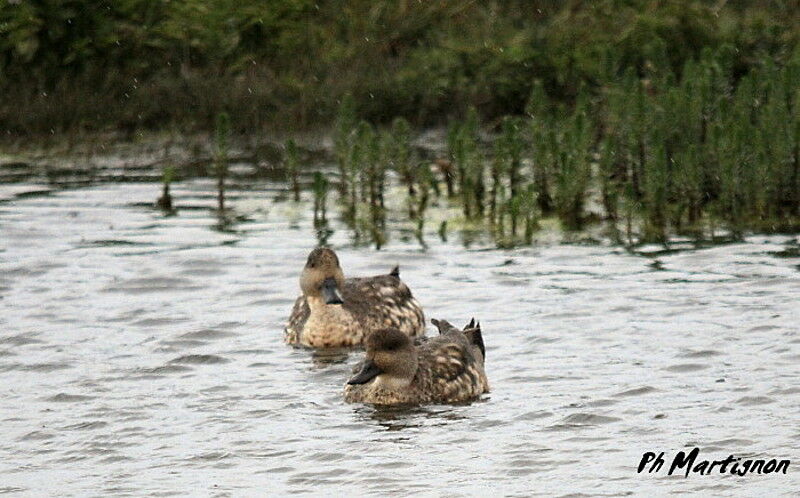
x=445, y=369
x=335, y=312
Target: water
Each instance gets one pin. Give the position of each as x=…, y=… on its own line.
x=142, y=354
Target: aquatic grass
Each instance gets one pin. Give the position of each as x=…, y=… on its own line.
x=496, y=189
x=222, y=136
x=455, y=152
x=465, y=154
x=292, y=163
x=509, y=150
x=779, y=139
x=353, y=150
x=655, y=154
x=446, y=169
x=424, y=185
x=611, y=176
x=540, y=113
x=517, y=217
x=320, y=186
x=343, y=142
x=474, y=164
x=529, y=211
x=573, y=139
x=164, y=202
x=399, y=155
x=372, y=171
x=361, y=154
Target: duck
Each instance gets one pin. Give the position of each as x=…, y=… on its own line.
x=448, y=368
x=333, y=311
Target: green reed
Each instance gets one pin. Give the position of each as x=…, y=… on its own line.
x=320, y=187
x=705, y=148
x=399, y=155
x=165, y=201
x=372, y=171
x=465, y=154
x=424, y=184
x=222, y=136
x=507, y=167
x=361, y=155
x=343, y=143
x=292, y=163
x=542, y=123
x=572, y=169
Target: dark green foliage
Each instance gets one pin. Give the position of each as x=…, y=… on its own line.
x=131, y=64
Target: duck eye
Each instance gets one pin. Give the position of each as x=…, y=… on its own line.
x=392, y=346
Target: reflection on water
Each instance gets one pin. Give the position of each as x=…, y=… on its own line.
x=142, y=354
x=326, y=358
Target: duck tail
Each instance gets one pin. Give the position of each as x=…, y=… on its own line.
x=475, y=336
x=442, y=325
x=395, y=272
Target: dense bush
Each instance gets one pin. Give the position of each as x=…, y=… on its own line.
x=125, y=64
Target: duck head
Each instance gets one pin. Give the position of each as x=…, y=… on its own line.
x=322, y=277
x=391, y=359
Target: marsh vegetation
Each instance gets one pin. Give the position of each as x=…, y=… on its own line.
x=655, y=118
x=699, y=153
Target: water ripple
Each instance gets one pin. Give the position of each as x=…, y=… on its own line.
x=142, y=355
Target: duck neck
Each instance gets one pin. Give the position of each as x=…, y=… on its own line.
x=316, y=303
x=323, y=311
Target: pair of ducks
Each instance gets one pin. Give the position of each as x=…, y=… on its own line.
x=401, y=366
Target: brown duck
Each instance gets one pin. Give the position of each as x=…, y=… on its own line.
x=336, y=312
x=445, y=369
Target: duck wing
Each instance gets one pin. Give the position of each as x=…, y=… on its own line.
x=449, y=357
x=384, y=301
x=300, y=313
x=454, y=371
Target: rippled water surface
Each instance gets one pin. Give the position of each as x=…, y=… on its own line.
x=142, y=354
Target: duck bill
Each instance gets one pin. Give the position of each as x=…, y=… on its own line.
x=368, y=372
x=330, y=291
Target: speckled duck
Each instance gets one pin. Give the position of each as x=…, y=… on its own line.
x=337, y=312
x=445, y=369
